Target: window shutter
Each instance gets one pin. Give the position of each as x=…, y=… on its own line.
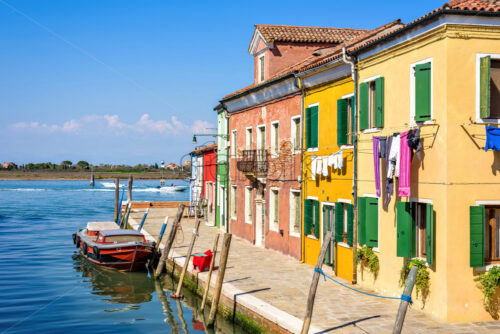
x=423, y=92
x=477, y=221
x=316, y=219
x=353, y=115
x=342, y=122
x=308, y=127
x=379, y=102
x=371, y=222
x=429, y=233
x=314, y=126
x=326, y=228
x=363, y=106
x=361, y=220
x=308, y=215
x=350, y=223
x=404, y=229
x=484, y=83
x=339, y=221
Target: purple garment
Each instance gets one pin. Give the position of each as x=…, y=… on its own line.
x=389, y=187
x=376, y=165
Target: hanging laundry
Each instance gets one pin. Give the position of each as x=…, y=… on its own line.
x=376, y=164
x=404, y=166
x=492, y=139
x=393, y=167
x=340, y=159
x=325, y=167
x=414, y=142
x=319, y=160
x=331, y=160
x=313, y=168
x=389, y=187
x=383, y=143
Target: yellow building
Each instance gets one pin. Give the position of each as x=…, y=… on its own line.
x=427, y=76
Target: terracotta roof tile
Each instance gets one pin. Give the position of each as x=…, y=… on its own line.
x=283, y=33
x=210, y=147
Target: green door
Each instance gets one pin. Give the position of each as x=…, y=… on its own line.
x=328, y=219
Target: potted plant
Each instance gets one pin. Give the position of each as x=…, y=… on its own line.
x=344, y=237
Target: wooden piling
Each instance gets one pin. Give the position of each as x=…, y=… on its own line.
x=314, y=284
x=178, y=293
x=125, y=214
x=403, y=306
x=212, y=263
x=130, y=182
x=162, y=231
x=143, y=220
x=170, y=241
x=226, y=243
x=117, y=198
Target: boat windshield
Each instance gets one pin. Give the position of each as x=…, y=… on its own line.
x=123, y=238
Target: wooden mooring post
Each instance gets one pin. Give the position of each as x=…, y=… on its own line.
x=170, y=241
x=314, y=284
x=125, y=215
x=143, y=220
x=130, y=182
x=226, y=243
x=178, y=293
x=212, y=264
x=117, y=199
x=403, y=306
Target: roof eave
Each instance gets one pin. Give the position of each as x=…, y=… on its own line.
x=253, y=89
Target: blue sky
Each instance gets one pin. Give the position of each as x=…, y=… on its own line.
x=119, y=81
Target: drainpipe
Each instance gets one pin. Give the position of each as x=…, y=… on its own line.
x=352, y=61
x=298, y=84
x=227, y=188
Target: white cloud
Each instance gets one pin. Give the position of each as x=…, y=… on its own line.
x=200, y=126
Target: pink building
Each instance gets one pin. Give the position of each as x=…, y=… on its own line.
x=265, y=137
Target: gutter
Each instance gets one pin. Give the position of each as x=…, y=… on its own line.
x=298, y=84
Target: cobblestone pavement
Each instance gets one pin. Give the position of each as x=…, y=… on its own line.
x=284, y=283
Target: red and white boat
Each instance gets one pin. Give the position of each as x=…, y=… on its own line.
x=104, y=243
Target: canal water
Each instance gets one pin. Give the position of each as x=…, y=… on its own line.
x=46, y=287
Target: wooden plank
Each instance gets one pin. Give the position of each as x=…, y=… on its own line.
x=403, y=306
x=170, y=241
x=212, y=263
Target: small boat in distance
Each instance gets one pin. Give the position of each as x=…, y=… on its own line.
x=104, y=243
x=173, y=188
x=111, y=185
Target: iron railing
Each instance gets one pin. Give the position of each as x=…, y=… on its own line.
x=253, y=162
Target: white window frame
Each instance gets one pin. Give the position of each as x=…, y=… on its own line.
x=372, y=128
x=312, y=236
x=332, y=204
x=248, y=204
x=233, y=203
x=261, y=76
x=294, y=136
x=484, y=203
x=274, y=150
x=314, y=149
x=421, y=201
x=249, y=138
x=292, y=214
x=412, y=91
x=261, y=146
x=478, y=88
x=234, y=144
x=272, y=225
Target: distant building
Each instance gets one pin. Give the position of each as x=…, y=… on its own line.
x=172, y=166
x=9, y=165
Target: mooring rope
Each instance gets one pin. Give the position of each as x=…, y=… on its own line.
x=325, y=276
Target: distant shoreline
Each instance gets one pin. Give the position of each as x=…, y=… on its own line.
x=82, y=175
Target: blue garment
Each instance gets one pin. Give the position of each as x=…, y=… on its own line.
x=492, y=139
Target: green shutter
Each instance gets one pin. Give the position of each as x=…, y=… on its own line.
x=307, y=129
x=353, y=115
x=361, y=220
x=371, y=222
x=379, y=102
x=339, y=221
x=342, y=122
x=484, y=82
x=429, y=233
x=308, y=216
x=477, y=221
x=404, y=229
x=316, y=219
x=314, y=126
x=423, y=92
x=363, y=106
x=350, y=224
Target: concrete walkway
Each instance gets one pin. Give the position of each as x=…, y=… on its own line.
x=276, y=286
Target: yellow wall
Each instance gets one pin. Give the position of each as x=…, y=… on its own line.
x=339, y=183
x=449, y=171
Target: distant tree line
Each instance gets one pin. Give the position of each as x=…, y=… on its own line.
x=82, y=165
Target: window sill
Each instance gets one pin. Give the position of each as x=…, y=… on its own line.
x=487, y=267
x=343, y=244
x=372, y=130
x=421, y=258
x=346, y=147
x=248, y=222
x=488, y=120
x=275, y=155
x=274, y=229
x=312, y=237
x=293, y=234
x=417, y=123
x=312, y=149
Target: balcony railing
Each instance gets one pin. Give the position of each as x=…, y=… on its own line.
x=253, y=162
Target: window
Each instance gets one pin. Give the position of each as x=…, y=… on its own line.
x=371, y=104
x=294, y=212
x=311, y=218
x=312, y=126
x=345, y=122
x=274, y=209
x=484, y=235
x=492, y=233
x=234, y=201
x=261, y=68
x=421, y=91
x=329, y=225
x=275, y=138
x=261, y=137
x=489, y=87
x=249, y=138
x=296, y=133
x=368, y=221
x=415, y=230
x=233, y=143
x=344, y=218
x=248, y=205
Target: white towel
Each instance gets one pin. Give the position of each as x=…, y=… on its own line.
x=313, y=168
x=319, y=161
x=340, y=159
x=331, y=160
x=325, y=166
x=394, y=158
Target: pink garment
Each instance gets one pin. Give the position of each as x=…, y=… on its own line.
x=404, y=166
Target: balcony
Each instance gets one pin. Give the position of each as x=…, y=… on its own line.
x=253, y=163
